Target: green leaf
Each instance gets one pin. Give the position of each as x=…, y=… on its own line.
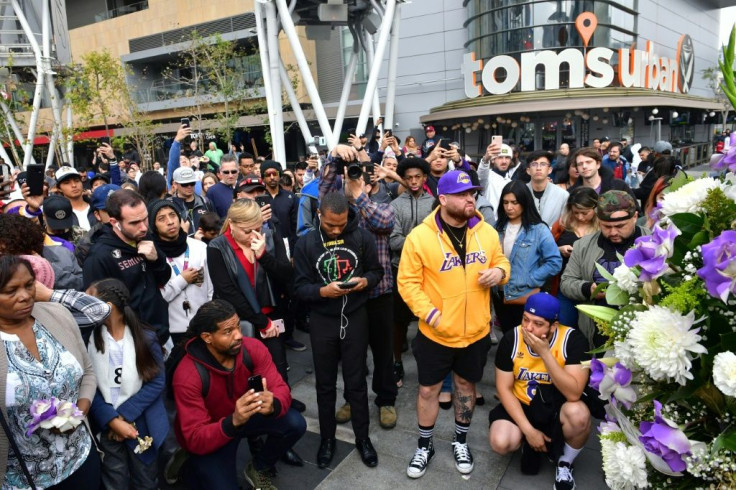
x=603, y=272
x=616, y=296
x=727, y=440
x=602, y=313
x=700, y=238
x=688, y=223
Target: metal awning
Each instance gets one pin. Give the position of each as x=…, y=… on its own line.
x=565, y=100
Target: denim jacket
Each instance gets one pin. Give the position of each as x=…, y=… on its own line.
x=534, y=259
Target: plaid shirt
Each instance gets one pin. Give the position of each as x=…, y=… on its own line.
x=87, y=310
x=374, y=217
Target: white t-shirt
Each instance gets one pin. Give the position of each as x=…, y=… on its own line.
x=82, y=218
x=509, y=238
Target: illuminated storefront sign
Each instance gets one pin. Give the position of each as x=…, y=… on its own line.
x=588, y=68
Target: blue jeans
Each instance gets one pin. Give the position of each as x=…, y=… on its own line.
x=447, y=384
x=217, y=470
x=568, y=312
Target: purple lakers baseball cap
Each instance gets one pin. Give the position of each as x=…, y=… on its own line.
x=455, y=182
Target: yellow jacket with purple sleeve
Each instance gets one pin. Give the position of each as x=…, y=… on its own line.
x=432, y=280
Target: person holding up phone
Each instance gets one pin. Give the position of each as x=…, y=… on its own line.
x=217, y=404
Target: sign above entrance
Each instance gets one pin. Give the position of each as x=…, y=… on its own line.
x=587, y=68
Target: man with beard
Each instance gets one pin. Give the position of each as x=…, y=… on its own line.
x=189, y=286
x=216, y=405
x=125, y=251
x=283, y=203
x=335, y=266
x=617, y=214
x=221, y=194
x=494, y=179
x=448, y=265
x=188, y=200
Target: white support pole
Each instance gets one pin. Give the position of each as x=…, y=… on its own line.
x=370, y=51
x=265, y=68
x=11, y=120
x=393, y=58
x=376, y=67
x=277, y=109
x=28, y=143
x=296, y=108
x=288, y=25
x=47, y=75
x=69, y=138
x=347, y=84
x=4, y=155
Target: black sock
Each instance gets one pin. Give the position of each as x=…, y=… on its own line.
x=461, y=430
x=425, y=436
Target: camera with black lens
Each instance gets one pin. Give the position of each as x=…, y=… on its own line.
x=355, y=170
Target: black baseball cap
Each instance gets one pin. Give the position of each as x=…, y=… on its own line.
x=57, y=211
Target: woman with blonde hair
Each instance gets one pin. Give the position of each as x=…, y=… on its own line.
x=411, y=147
x=578, y=219
x=250, y=269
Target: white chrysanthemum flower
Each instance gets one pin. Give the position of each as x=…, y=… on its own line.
x=624, y=352
x=663, y=344
x=687, y=199
x=724, y=373
x=625, y=279
x=624, y=466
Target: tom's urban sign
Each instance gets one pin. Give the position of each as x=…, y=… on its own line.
x=590, y=67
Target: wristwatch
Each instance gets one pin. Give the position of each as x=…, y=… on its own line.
x=503, y=273
x=360, y=149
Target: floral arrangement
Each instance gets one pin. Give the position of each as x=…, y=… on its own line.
x=144, y=444
x=56, y=414
x=669, y=371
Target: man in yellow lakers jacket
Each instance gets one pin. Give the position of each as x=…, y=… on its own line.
x=540, y=382
x=448, y=265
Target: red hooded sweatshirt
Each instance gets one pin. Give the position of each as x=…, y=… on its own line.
x=204, y=425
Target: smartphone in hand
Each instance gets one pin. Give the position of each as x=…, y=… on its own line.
x=34, y=178
x=348, y=285
x=255, y=383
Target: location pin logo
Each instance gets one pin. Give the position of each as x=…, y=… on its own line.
x=586, y=24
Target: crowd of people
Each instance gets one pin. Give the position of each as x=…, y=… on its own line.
x=129, y=297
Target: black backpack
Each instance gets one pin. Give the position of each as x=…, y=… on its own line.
x=175, y=358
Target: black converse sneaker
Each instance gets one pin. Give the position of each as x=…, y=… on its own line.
x=563, y=477
x=418, y=465
x=463, y=458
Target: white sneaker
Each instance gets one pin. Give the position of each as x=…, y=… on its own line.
x=463, y=458
x=418, y=465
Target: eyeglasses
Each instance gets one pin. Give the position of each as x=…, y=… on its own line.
x=539, y=164
x=271, y=174
x=229, y=172
x=188, y=184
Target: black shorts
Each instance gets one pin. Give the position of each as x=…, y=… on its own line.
x=500, y=413
x=435, y=361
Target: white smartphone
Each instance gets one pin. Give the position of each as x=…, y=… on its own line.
x=279, y=325
x=496, y=139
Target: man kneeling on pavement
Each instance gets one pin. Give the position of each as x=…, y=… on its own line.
x=540, y=382
x=216, y=406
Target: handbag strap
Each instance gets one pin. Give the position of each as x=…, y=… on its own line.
x=18, y=454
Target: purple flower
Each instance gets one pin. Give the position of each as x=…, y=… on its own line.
x=719, y=265
x=719, y=161
x=612, y=383
x=650, y=253
x=664, y=439
x=41, y=410
x=597, y=373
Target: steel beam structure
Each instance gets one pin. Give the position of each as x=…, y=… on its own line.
x=307, y=12
x=44, y=83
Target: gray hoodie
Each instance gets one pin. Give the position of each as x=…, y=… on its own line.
x=410, y=212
